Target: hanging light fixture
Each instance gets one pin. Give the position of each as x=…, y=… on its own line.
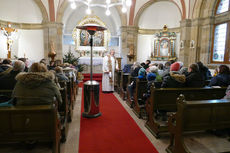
x=107, y=5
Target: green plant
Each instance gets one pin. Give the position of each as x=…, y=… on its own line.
x=70, y=58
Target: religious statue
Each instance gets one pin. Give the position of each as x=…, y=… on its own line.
x=52, y=52
x=8, y=31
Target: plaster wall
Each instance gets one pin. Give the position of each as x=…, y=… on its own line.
x=17, y=11
x=158, y=14
x=29, y=44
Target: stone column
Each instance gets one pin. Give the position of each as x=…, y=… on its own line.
x=184, y=54
x=129, y=36
x=53, y=33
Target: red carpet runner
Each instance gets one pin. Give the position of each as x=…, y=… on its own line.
x=113, y=132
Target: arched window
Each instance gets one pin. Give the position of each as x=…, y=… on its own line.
x=221, y=35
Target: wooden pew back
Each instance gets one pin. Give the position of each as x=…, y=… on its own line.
x=196, y=116
x=26, y=123
x=164, y=99
x=123, y=85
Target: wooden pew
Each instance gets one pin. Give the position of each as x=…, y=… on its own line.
x=66, y=98
x=117, y=84
x=196, y=116
x=141, y=88
x=64, y=111
x=28, y=123
x=123, y=85
x=5, y=94
x=130, y=102
x=164, y=99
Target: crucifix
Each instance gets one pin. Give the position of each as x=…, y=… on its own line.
x=7, y=31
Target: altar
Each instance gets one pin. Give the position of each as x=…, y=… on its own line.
x=97, y=64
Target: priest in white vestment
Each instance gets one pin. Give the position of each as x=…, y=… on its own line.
x=108, y=69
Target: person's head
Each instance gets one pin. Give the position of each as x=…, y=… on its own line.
x=24, y=60
x=167, y=64
x=19, y=66
x=153, y=69
x=7, y=61
x=193, y=68
x=43, y=61
x=142, y=64
x=224, y=69
x=151, y=77
x=136, y=64
x=38, y=67
x=147, y=62
x=175, y=67
x=58, y=69
x=112, y=52
x=160, y=66
x=141, y=73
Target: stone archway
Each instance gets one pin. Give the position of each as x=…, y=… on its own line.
x=43, y=10
x=148, y=4
x=204, y=8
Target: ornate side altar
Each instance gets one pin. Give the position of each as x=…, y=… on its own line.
x=164, y=45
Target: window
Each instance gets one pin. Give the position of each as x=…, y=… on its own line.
x=223, y=6
x=221, y=41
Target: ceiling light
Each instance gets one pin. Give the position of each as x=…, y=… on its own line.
x=73, y=5
x=124, y=9
x=107, y=12
x=128, y=2
x=88, y=11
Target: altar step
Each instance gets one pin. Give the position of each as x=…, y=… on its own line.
x=96, y=77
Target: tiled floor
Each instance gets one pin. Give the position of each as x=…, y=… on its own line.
x=197, y=143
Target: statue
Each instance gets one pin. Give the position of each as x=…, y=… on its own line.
x=52, y=52
x=165, y=28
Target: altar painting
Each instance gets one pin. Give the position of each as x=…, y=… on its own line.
x=82, y=38
x=98, y=40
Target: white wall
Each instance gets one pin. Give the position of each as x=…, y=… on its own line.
x=31, y=43
x=144, y=47
x=21, y=11
x=158, y=14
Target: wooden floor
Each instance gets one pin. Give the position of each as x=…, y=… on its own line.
x=197, y=143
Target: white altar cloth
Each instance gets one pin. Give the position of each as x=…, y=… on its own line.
x=86, y=60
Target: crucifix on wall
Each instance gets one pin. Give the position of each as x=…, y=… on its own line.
x=8, y=32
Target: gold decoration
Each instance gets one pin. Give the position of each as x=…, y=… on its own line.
x=52, y=52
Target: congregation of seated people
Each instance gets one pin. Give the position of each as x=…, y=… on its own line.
x=173, y=74
x=37, y=81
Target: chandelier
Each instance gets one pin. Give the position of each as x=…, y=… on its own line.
x=107, y=5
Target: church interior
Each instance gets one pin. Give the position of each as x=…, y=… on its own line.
x=169, y=76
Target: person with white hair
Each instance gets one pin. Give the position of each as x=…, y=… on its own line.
x=108, y=69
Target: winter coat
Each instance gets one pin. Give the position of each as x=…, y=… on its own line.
x=134, y=73
x=220, y=80
x=8, y=81
x=36, y=88
x=173, y=80
x=194, y=79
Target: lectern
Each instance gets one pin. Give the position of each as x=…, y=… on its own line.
x=91, y=88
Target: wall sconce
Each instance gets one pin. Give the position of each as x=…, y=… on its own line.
x=192, y=44
x=182, y=44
